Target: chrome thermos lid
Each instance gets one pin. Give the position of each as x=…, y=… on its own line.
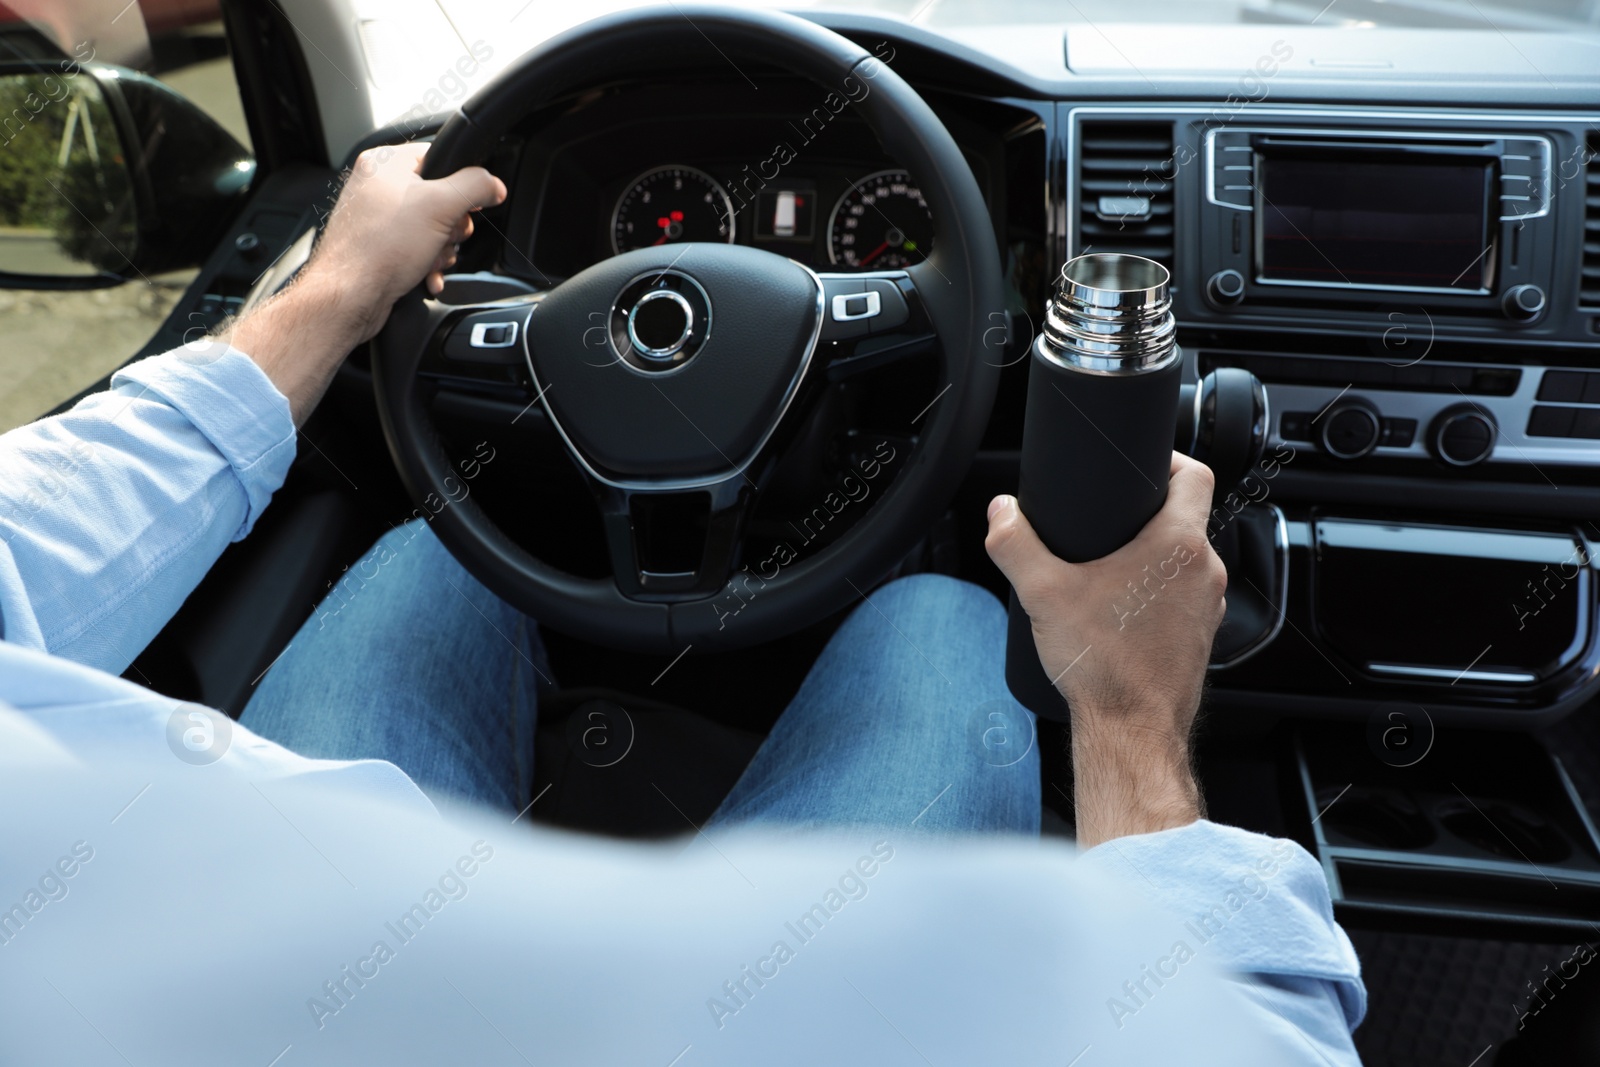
x=1111, y=314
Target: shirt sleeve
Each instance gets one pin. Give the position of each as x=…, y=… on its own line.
x=112, y=512
x=1260, y=907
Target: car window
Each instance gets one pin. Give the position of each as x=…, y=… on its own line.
x=52, y=136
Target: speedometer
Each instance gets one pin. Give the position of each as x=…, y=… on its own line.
x=881, y=223
x=671, y=204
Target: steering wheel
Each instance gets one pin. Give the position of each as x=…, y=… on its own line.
x=667, y=370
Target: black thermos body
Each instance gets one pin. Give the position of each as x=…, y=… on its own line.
x=1103, y=390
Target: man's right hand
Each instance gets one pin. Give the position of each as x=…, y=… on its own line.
x=1126, y=638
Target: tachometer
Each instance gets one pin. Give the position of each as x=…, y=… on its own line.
x=881, y=223
x=671, y=204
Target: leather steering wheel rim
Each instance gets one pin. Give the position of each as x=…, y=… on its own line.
x=959, y=283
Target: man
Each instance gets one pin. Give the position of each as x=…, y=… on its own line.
x=426, y=679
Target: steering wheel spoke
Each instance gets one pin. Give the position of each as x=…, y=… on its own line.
x=472, y=335
x=674, y=545
x=481, y=343
x=872, y=320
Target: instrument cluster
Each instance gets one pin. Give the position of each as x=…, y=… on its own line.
x=828, y=220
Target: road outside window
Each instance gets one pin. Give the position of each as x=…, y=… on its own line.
x=58, y=343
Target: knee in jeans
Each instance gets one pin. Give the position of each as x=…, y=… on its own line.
x=927, y=596
x=412, y=542
x=404, y=534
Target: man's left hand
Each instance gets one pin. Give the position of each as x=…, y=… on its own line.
x=389, y=230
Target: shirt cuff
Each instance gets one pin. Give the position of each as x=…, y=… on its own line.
x=1261, y=901
x=233, y=403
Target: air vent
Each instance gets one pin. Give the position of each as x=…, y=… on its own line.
x=1125, y=179
x=1589, y=279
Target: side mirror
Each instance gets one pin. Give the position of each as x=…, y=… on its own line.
x=107, y=175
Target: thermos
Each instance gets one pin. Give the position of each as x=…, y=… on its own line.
x=1097, y=438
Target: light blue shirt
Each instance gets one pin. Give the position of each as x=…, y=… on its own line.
x=999, y=951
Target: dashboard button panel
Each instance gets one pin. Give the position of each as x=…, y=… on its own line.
x=1232, y=177
x=1551, y=421
x=1508, y=427
x=1295, y=425
x=1564, y=386
x=1397, y=433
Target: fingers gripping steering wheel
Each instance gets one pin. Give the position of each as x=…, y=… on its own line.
x=707, y=347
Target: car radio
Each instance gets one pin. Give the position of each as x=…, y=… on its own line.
x=1297, y=216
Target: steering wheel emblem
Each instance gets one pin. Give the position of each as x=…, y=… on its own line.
x=660, y=324
x=659, y=321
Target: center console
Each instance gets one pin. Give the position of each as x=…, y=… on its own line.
x=1419, y=292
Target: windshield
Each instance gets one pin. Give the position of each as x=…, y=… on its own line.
x=1506, y=16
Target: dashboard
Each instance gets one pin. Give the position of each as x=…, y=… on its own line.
x=1416, y=285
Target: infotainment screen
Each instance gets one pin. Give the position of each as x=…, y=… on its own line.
x=1347, y=217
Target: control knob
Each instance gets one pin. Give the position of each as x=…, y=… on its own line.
x=1349, y=429
x=1462, y=435
x=1523, y=302
x=1226, y=287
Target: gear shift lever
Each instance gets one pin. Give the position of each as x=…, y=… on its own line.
x=1222, y=422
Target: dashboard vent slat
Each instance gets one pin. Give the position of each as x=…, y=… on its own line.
x=1125, y=159
x=1589, y=271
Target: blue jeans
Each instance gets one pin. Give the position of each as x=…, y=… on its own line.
x=904, y=720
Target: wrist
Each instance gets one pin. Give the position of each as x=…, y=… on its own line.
x=1131, y=780
x=299, y=336
x=322, y=292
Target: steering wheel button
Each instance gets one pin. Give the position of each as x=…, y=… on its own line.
x=493, y=335
x=892, y=310
x=847, y=307
x=844, y=299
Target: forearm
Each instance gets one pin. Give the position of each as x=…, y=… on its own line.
x=111, y=512
x=1129, y=779
x=299, y=336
